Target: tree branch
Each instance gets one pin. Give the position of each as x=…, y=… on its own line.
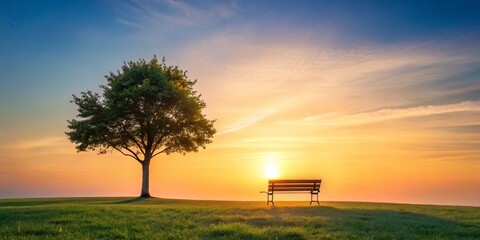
x=131, y=151
x=161, y=151
x=155, y=145
x=142, y=135
x=138, y=145
x=134, y=156
x=143, y=129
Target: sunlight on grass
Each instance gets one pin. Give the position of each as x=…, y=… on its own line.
x=136, y=218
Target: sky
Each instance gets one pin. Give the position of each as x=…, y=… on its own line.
x=379, y=99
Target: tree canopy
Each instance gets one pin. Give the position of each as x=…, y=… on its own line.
x=146, y=108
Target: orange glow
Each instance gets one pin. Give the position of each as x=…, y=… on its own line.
x=281, y=116
x=377, y=168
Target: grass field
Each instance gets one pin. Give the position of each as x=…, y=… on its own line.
x=133, y=218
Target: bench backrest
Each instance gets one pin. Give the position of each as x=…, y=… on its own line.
x=294, y=185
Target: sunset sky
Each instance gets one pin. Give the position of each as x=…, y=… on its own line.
x=379, y=99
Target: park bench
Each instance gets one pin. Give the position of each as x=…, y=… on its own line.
x=311, y=186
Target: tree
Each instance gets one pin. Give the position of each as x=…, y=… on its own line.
x=146, y=109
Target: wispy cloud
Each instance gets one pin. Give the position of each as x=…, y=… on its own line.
x=170, y=14
x=243, y=78
x=246, y=122
x=334, y=119
x=131, y=24
x=308, y=139
x=38, y=143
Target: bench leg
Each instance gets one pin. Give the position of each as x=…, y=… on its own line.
x=268, y=199
x=316, y=200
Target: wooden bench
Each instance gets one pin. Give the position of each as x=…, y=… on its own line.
x=311, y=186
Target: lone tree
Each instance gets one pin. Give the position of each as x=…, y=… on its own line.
x=146, y=109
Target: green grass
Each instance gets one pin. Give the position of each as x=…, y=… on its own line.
x=131, y=218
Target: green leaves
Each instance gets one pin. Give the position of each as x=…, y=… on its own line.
x=146, y=109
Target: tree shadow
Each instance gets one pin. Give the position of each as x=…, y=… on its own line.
x=127, y=201
x=84, y=200
x=142, y=200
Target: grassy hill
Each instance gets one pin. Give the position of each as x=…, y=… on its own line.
x=131, y=218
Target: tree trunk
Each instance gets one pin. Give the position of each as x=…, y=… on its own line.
x=145, y=178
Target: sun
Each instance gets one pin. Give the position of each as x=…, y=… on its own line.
x=271, y=172
x=271, y=163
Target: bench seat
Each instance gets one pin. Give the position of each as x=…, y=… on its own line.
x=311, y=186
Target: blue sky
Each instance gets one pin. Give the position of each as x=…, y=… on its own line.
x=50, y=49
x=400, y=69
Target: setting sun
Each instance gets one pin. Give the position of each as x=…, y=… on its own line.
x=271, y=165
x=271, y=172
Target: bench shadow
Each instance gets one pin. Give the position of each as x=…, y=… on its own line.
x=361, y=223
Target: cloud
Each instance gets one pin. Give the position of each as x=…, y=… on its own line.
x=246, y=122
x=244, y=77
x=131, y=24
x=38, y=143
x=169, y=14
x=333, y=119
x=307, y=139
